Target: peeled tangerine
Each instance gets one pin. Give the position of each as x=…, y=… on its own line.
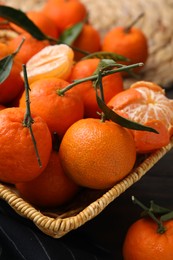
x=51, y=61
x=145, y=102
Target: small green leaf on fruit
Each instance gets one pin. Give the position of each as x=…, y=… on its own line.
x=70, y=34
x=5, y=67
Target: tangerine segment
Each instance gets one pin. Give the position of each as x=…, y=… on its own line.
x=17, y=154
x=95, y=153
x=51, y=61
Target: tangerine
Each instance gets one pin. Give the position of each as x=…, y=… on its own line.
x=85, y=41
x=29, y=48
x=65, y=13
x=52, y=188
x=132, y=44
x=95, y=153
x=13, y=84
x=17, y=154
x=112, y=84
x=145, y=102
x=59, y=111
x=143, y=242
x=42, y=21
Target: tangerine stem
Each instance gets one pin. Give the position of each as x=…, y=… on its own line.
x=103, y=74
x=28, y=120
x=98, y=82
x=127, y=29
x=19, y=47
x=161, y=229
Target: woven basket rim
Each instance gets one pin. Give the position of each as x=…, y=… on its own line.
x=58, y=226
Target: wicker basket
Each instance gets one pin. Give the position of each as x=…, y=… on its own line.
x=87, y=205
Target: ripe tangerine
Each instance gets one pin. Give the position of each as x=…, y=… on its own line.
x=95, y=153
x=17, y=154
x=50, y=189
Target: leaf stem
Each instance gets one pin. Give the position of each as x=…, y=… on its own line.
x=28, y=120
x=19, y=47
x=161, y=229
x=94, y=77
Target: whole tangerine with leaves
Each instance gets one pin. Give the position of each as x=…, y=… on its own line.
x=146, y=103
x=95, y=153
x=144, y=242
x=58, y=110
x=19, y=160
x=112, y=84
x=50, y=189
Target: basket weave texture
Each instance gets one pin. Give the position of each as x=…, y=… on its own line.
x=86, y=206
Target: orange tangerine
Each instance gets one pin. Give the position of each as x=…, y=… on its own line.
x=17, y=154
x=112, y=84
x=42, y=21
x=95, y=153
x=65, y=13
x=29, y=48
x=146, y=103
x=58, y=111
x=50, y=189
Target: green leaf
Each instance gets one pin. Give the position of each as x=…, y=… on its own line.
x=109, y=114
x=106, y=55
x=70, y=34
x=104, y=64
x=19, y=18
x=5, y=67
x=6, y=63
x=156, y=209
x=167, y=216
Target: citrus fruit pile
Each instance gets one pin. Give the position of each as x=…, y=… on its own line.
x=66, y=121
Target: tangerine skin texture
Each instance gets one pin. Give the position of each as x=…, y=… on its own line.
x=142, y=242
x=50, y=189
x=94, y=154
x=112, y=84
x=132, y=44
x=59, y=112
x=18, y=161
